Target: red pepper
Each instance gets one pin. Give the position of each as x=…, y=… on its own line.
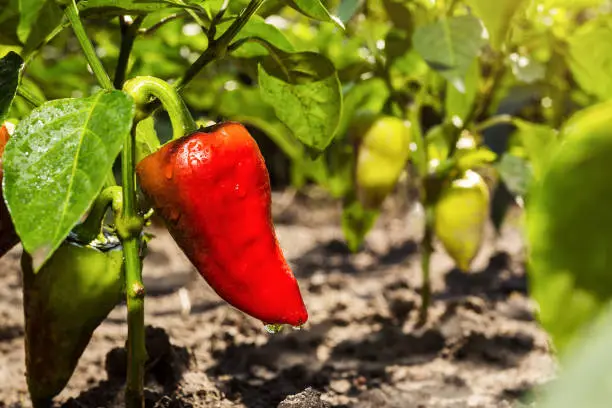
x=8, y=237
x=212, y=189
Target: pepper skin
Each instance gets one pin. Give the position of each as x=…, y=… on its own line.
x=212, y=189
x=384, y=149
x=64, y=302
x=461, y=214
x=8, y=237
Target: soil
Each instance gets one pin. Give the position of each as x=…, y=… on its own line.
x=361, y=348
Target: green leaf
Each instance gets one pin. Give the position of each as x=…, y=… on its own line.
x=590, y=55
x=538, y=141
x=458, y=103
x=29, y=10
x=570, y=226
x=9, y=22
x=120, y=7
x=572, y=4
x=496, y=17
x=348, y=8
x=304, y=90
x=56, y=162
x=516, y=173
x=48, y=19
x=399, y=14
x=258, y=29
x=585, y=379
x=526, y=68
x=38, y=18
x=450, y=45
x=369, y=95
x=357, y=222
x=315, y=10
x=10, y=68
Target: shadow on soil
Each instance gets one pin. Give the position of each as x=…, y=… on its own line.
x=334, y=255
x=261, y=376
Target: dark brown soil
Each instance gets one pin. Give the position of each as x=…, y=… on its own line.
x=361, y=348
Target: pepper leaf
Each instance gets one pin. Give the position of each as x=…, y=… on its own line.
x=450, y=45
x=120, y=7
x=305, y=92
x=10, y=67
x=570, y=227
x=257, y=28
x=315, y=10
x=357, y=221
x=56, y=162
x=496, y=16
x=38, y=18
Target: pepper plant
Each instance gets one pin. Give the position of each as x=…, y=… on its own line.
x=82, y=231
x=484, y=91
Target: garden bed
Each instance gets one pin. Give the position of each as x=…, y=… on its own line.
x=361, y=348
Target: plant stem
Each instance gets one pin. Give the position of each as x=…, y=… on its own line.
x=128, y=35
x=426, y=251
x=130, y=227
x=481, y=104
x=72, y=12
x=142, y=89
x=161, y=23
x=88, y=230
x=218, y=48
x=493, y=121
x=26, y=94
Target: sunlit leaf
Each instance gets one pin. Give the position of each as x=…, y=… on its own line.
x=56, y=163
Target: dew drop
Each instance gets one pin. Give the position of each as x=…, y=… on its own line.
x=169, y=171
x=239, y=190
x=273, y=328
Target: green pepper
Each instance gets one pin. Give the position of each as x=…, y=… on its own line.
x=63, y=304
x=384, y=149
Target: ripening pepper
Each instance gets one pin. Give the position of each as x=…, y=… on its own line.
x=460, y=217
x=212, y=189
x=64, y=302
x=384, y=149
x=8, y=237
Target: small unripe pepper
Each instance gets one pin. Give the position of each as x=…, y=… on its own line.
x=212, y=189
x=8, y=237
x=64, y=302
x=461, y=214
x=384, y=149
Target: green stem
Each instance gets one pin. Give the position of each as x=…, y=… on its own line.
x=150, y=30
x=129, y=32
x=218, y=48
x=26, y=94
x=72, y=12
x=89, y=230
x=142, y=89
x=426, y=251
x=493, y=121
x=129, y=226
